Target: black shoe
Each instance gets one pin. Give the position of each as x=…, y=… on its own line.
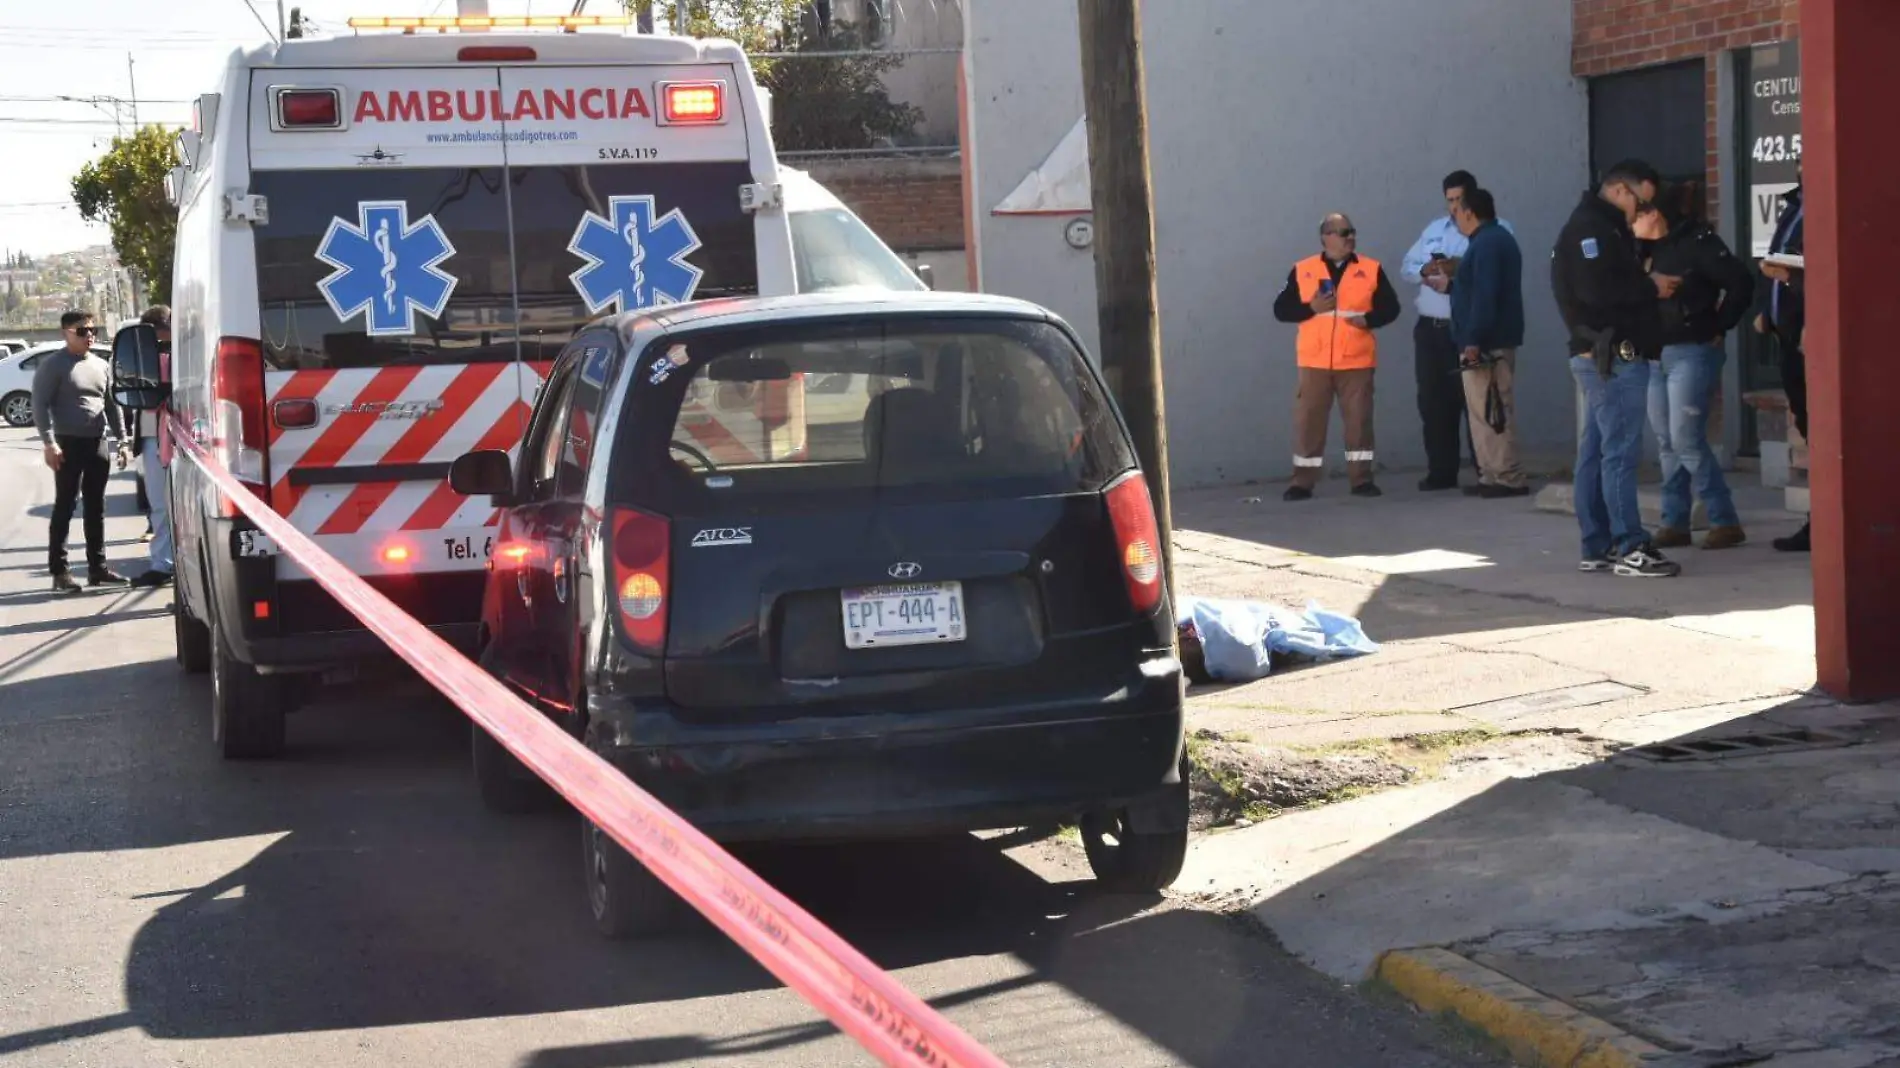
x=1496, y=492
x=1367, y=489
x=153, y=579
x=63, y=583
x=1433, y=485
x=1647, y=562
x=1597, y=565
x=106, y=577
x=1475, y=491
x=1297, y=493
x=1794, y=543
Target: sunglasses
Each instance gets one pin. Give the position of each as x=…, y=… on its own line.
x=1343, y=233
x=86, y=331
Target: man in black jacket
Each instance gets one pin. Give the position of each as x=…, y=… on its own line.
x=1784, y=314
x=1610, y=304
x=1712, y=300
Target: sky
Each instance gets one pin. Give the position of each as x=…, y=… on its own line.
x=178, y=49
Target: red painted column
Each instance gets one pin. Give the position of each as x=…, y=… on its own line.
x=1852, y=185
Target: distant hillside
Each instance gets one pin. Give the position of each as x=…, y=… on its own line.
x=34, y=290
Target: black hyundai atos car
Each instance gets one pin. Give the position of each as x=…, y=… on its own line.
x=834, y=567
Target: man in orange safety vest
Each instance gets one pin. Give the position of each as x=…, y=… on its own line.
x=1338, y=298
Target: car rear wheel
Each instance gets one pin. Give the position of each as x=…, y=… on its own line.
x=506, y=785
x=192, y=638
x=627, y=900
x=17, y=408
x=1126, y=861
x=247, y=708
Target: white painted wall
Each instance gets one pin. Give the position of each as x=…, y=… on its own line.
x=1264, y=116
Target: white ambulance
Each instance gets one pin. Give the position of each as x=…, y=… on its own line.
x=384, y=240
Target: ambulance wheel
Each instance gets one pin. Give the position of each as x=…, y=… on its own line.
x=247, y=708
x=192, y=638
x=506, y=785
x=627, y=900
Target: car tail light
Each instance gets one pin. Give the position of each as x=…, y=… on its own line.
x=641, y=555
x=238, y=433
x=692, y=103
x=1137, y=540
x=309, y=109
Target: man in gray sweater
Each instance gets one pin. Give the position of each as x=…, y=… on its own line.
x=80, y=432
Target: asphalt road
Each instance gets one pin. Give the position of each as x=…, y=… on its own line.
x=354, y=905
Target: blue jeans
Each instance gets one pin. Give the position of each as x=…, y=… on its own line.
x=1608, y=453
x=158, y=494
x=1679, y=400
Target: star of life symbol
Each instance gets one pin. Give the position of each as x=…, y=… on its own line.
x=387, y=268
x=634, y=260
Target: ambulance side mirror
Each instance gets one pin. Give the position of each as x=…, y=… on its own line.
x=485, y=473
x=138, y=380
x=927, y=275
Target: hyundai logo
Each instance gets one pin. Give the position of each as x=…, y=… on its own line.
x=906, y=570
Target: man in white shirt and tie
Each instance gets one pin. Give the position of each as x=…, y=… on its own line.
x=1431, y=265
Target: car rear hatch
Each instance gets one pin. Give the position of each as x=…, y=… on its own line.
x=435, y=232
x=893, y=515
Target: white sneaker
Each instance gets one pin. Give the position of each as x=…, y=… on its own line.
x=1647, y=562
x=1596, y=564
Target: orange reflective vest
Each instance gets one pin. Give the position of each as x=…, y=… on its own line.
x=1331, y=343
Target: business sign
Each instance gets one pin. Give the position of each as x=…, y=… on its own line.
x=1773, y=107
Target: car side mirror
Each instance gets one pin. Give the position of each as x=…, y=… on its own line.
x=138, y=378
x=487, y=472
x=928, y=275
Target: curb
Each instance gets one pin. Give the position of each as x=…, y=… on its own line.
x=1539, y=1031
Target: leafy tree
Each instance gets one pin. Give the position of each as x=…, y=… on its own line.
x=818, y=104
x=126, y=188
x=835, y=102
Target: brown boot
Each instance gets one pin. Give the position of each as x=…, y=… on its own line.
x=1671, y=538
x=1724, y=538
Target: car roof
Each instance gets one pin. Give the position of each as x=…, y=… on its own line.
x=809, y=307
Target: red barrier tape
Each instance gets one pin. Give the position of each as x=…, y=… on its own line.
x=888, y=1020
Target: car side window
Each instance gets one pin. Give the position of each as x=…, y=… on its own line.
x=593, y=357
x=541, y=453
x=29, y=363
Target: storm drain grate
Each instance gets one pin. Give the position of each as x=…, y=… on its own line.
x=1791, y=740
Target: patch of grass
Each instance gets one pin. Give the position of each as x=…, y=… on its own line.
x=1070, y=833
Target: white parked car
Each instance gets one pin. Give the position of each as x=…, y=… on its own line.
x=16, y=381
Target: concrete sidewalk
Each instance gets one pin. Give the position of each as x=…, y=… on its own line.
x=1725, y=903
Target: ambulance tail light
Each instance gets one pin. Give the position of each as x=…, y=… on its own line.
x=692, y=103
x=641, y=550
x=496, y=54
x=308, y=109
x=239, y=435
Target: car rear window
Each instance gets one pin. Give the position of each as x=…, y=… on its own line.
x=814, y=413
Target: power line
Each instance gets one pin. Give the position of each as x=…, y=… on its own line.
x=252, y=8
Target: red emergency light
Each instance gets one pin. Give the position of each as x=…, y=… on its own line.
x=692, y=103
x=309, y=109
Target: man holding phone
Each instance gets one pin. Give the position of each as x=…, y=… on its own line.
x=80, y=433
x=1338, y=298
x=1431, y=265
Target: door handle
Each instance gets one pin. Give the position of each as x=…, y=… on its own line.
x=560, y=579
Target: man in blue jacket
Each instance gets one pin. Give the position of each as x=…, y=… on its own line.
x=1487, y=325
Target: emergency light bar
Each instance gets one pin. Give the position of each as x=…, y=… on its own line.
x=446, y=23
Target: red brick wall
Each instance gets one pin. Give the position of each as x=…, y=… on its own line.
x=914, y=205
x=1617, y=35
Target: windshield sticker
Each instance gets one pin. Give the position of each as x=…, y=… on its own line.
x=387, y=268
x=634, y=260
x=594, y=365
x=664, y=367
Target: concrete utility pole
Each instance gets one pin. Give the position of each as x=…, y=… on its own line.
x=1115, y=91
x=132, y=85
